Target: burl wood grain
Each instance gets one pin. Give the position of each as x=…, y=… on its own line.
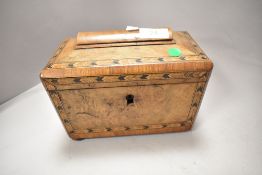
x=108, y=107
x=89, y=88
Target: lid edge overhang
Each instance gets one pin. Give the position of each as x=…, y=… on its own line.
x=203, y=65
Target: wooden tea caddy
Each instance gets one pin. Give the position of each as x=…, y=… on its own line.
x=114, y=83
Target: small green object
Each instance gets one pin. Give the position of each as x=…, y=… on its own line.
x=174, y=52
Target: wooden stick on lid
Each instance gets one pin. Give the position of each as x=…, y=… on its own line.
x=119, y=36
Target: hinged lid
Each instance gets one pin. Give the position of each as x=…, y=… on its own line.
x=75, y=58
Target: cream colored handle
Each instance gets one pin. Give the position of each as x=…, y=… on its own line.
x=120, y=36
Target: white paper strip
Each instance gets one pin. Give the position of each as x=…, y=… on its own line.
x=131, y=28
x=153, y=33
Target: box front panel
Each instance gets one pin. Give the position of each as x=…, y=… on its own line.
x=127, y=104
x=136, y=107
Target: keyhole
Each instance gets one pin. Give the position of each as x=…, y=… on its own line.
x=129, y=99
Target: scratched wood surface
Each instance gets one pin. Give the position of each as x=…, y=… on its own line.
x=89, y=88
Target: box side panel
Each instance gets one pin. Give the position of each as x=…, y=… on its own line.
x=199, y=97
x=58, y=104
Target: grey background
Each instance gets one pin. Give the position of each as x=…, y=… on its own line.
x=226, y=137
x=32, y=29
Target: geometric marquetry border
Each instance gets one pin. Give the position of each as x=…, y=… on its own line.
x=111, y=62
x=200, y=75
